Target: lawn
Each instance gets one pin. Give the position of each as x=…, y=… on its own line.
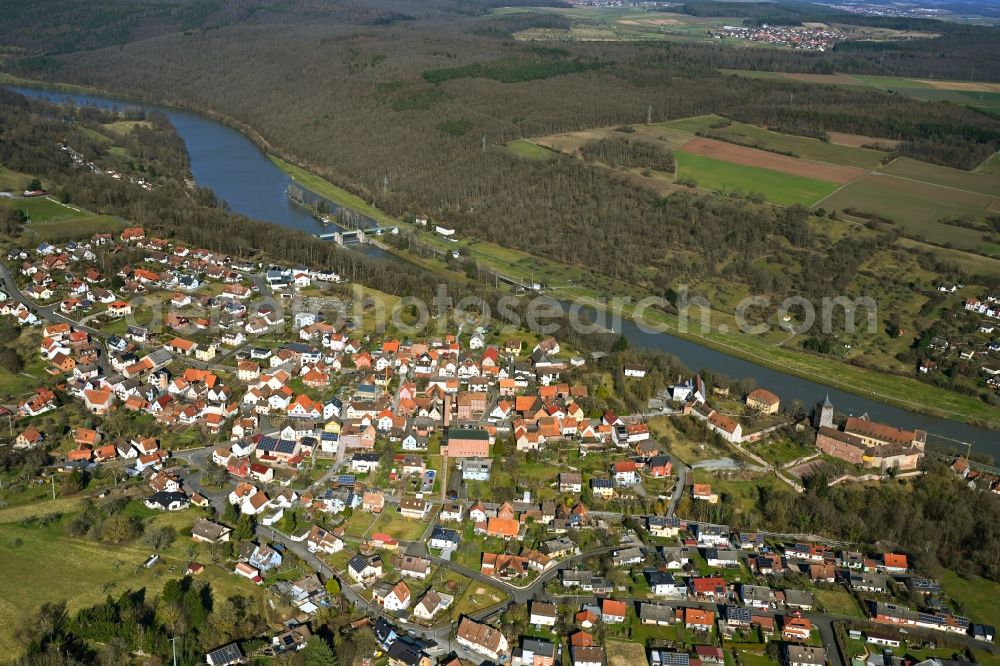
x=394, y=524
x=359, y=524
x=477, y=596
x=748, y=658
x=643, y=633
x=779, y=451
x=529, y=150
x=779, y=188
x=838, y=602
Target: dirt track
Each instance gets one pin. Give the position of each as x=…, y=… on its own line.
x=730, y=152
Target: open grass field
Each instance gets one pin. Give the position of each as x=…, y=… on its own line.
x=917, y=207
x=777, y=187
x=12, y=181
x=978, y=596
x=56, y=231
x=44, y=209
x=359, y=524
x=780, y=451
x=529, y=150
x=981, y=183
x=83, y=572
x=812, y=173
x=990, y=167
x=743, y=493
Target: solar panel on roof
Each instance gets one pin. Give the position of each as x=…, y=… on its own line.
x=227, y=654
x=674, y=659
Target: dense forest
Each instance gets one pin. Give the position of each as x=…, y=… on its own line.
x=633, y=154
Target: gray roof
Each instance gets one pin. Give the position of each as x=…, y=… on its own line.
x=804, y=654
x=539, y=646
x=656, y=612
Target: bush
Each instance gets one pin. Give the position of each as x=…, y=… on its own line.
x=119, y=529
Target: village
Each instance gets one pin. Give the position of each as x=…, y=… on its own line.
x=438, y=483
x=809, y=37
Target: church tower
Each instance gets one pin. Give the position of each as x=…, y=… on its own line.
x=823, y=416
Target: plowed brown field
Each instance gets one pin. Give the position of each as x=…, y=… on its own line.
x=730, y=152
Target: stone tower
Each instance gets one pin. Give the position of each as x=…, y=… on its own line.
x=823, y=416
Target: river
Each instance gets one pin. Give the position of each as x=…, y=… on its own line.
x=241, y=174
x=223, y=159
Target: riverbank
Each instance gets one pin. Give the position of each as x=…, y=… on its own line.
x=324, y=188
x=899, y=391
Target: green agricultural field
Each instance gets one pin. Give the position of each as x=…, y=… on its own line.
x=991, y=166
x=981, y=183
x=917, y=207
x=801, y=146
x=529, y=150
x=779, y=188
